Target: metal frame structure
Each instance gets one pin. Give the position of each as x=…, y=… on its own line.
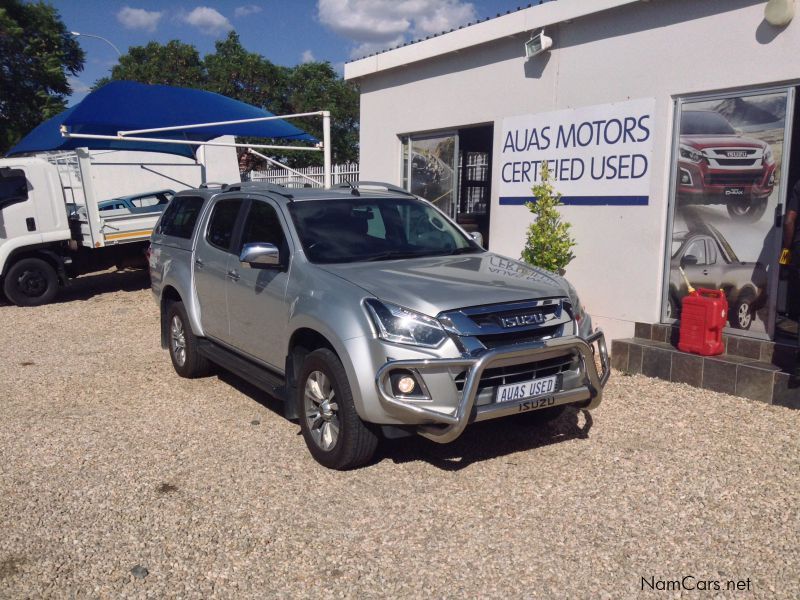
x=133, y=135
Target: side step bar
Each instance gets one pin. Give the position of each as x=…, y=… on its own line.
x=261, y=377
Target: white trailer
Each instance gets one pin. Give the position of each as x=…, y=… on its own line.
x=52, y=229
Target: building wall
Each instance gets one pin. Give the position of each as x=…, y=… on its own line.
x=659, y=49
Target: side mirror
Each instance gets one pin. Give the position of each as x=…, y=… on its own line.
x=260, y=255
x=688, y=261
x=477, y=237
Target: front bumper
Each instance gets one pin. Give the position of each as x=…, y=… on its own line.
x=444, y=427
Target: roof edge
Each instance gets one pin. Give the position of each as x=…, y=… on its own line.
x=514, y=23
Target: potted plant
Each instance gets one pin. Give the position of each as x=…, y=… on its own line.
x=549, y=243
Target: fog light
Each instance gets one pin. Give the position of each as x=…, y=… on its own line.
x=406, y=385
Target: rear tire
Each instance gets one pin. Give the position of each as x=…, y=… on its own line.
x=334, y=433
x=742, y=313
x=186, y=359
x=31, y=282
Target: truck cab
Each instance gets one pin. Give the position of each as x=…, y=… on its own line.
x=367, y=310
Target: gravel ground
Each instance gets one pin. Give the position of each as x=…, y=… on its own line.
x=117, y=478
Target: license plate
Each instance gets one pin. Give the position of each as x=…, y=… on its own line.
x=526, y=389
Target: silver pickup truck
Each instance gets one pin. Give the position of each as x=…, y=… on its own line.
x=368, y=312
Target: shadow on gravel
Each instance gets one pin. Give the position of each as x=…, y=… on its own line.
x=479, y=442
x=251, y=391
x=490, y=439
x=89, y=286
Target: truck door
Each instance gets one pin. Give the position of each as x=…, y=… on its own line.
x=257, y=309
x=212, y=253
x=17, y=206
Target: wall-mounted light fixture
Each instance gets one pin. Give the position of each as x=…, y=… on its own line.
x=779, y=12
x=537, y=44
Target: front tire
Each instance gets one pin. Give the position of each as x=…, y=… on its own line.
x=186, y=359
x=31, y=282
x=334, y=433
x=747, y=211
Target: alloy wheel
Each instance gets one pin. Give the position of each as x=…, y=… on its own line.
x=177, y=336
x=321, y=410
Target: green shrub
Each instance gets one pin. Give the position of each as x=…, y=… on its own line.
x=549, y=244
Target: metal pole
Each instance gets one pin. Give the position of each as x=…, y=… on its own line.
x=77, y=34
x=92, y=136
x=217, y=123
x=326, y=147
x=283, y=166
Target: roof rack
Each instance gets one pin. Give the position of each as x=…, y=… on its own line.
x=258, y=185
x=354, y=185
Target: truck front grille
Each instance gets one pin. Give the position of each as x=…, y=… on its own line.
x=523, y=372
x=731, y=179
x=512, y=338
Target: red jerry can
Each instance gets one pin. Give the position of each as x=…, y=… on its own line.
x=703, y=315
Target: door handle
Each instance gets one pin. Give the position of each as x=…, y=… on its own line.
x=705, y=271
x=198, y=263
x=233, y=275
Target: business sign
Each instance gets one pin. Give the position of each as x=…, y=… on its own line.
x=597, y=155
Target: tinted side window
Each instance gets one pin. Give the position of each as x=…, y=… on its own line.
x=145, y=201
x=180, y=216
x=222, y=223
x=263, y=225
x=13, y=187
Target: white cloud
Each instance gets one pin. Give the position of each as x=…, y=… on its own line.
x=77, y=86
x=379, y=24
x=307, y=56
x=246, y=11
x=139, y=18
x=208, y=20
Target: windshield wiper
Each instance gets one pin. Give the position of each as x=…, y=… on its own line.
x=465, y=250
x=392, y=254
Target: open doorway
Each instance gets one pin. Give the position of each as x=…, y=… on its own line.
x=452, y=169
x=474, y=179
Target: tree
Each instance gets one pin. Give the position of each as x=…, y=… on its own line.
x=37, y=54
x=234, y=72
x=548, y=244
x=175, y=63
x=316, y=86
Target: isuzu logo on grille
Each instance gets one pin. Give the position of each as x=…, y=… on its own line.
x=736, y=154
x=521, y=320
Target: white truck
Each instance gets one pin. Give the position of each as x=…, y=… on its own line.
x=52, y=230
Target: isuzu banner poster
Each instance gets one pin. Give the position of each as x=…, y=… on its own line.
x=728, y=164
x=597, y=155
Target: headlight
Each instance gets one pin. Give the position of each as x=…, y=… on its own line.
x=768, y=154
x=577, y=307
x=402, y=326
x=691, y=154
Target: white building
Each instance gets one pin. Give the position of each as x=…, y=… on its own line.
x=451, y=101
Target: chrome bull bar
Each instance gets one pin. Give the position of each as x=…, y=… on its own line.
x=447, y=427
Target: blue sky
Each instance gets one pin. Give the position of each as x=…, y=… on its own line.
x=287, y=32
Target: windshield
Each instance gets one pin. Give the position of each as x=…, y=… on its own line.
x=354, y=230
x=705, y=122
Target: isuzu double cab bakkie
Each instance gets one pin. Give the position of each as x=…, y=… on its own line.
x=368, y=311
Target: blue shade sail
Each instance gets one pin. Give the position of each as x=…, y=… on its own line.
x=127, y=105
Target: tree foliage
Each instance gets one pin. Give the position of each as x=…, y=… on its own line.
x=37, y=54
x=233, y=71
x=549, y=243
